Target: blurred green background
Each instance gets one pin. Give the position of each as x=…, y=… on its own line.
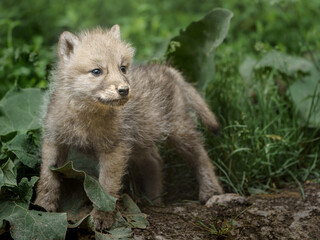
x=30, y=29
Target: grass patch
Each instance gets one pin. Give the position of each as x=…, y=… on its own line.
x=219, y=227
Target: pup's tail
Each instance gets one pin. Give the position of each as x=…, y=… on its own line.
x=196, y=102
x=201, y=108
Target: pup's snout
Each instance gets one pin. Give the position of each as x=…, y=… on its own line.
x=123, y=90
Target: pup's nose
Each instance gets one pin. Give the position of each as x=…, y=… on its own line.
x=123, y=90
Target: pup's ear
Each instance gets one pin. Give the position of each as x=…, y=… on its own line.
x=67, y=44
x=115, y=30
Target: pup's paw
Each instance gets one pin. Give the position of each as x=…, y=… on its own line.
x=225, y=199
x=102, y=220
x=207, y=191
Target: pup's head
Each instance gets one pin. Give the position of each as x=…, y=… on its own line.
x=94, y=66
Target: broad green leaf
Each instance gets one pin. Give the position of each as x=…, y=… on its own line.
x=24, y=149
x=306, y=97
x=305, y=93
x=80, y=192
x=193, y=50
x=9, y=174
x=74, y=201
x=25, y=189
x=100, y=199
x=84, y=162
x=122, y=233
x=246, y=68
x=30, y=224
x=117, y=234
x=20, y=110
x=119, y=231
x=132, y=213
x=285, y=63
x=86, y=222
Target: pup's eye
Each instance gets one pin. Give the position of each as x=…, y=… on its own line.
x=123, y=69
x=96, y=72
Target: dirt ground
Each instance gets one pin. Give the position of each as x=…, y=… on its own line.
x=280, y=215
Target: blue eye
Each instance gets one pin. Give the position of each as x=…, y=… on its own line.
x=96, y=72
x=123, y=69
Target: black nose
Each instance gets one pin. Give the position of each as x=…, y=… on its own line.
x=123, y=90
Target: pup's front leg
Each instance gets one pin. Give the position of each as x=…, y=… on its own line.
x=111, y=169
x=48, y=189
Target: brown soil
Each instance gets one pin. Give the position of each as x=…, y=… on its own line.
x=280, y=215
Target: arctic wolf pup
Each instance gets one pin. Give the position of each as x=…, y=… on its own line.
x=101, y=106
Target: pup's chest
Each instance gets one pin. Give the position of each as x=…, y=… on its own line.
x=90, y=133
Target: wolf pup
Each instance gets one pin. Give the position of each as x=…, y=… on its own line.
x=101, y=106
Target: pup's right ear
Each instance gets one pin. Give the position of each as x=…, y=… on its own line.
x=67, y=44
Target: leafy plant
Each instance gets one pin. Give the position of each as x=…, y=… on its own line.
x=299, y=75
x=192, y=51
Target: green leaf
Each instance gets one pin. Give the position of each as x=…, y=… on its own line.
x=132, y=213
x=20, y=110
x=31, y=224
x=74, y=201
x=246, y=68
x=194, y=48
x=117, y=234
x=25, y=189
x=285, y=63
x=80, y=191
x=22, y=146
x=119, y=231
x=9, y=174
x=100, y=199
x=305, y=94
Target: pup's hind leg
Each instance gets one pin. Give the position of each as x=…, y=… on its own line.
x=149, y=163
x=189, y=145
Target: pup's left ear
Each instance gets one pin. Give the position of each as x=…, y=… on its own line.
x=115, y=30
x=67, y=44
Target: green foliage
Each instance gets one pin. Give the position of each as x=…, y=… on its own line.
x=266, y=142
x=305, y=94
x=300, y=75
x=132, y=213
x=8, y=174
x=23, y=63
x=81, y=192
x=29, y=224
x=194, y=54
x=99, y=198
x=20, y=111
x=25, y=150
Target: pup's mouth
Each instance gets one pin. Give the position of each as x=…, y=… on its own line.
x=113, y=102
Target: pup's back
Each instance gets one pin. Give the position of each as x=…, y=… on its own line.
x=160, y=103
